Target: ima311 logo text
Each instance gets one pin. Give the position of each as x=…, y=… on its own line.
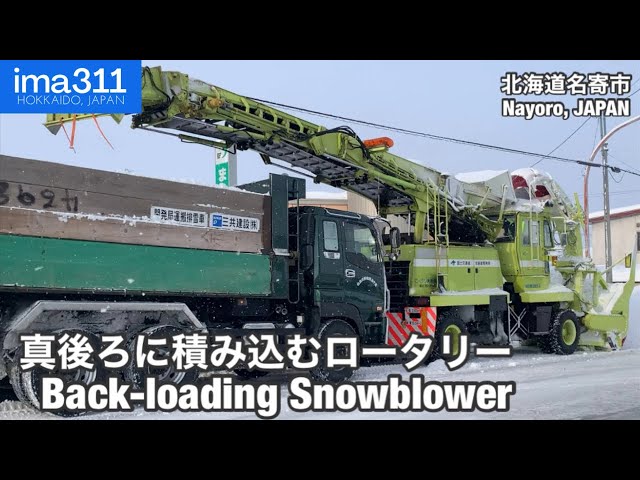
x=70, y=86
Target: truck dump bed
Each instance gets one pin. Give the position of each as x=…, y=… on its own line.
x=78, y=229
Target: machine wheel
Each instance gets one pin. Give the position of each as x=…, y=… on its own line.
x=169, y=373
x=448, y=326
x=564, y=334
x=333, y=328
x=544, y=344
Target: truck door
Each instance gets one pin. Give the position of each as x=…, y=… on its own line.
x=532, y=255
x=330, y=271
x=363, y=281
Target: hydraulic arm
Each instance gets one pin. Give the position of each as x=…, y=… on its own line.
x=207, y=114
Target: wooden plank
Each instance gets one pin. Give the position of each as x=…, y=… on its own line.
x=98, y=188
x=20, y=221
x=53, y=187
x=22, y=195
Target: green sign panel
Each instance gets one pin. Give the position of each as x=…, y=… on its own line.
x=222, y=167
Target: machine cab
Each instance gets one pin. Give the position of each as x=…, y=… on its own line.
x=524, y=244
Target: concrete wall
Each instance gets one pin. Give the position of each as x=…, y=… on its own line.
x=623, y=234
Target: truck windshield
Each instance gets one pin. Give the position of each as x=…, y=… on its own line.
x=508, y=230
x=360, y=244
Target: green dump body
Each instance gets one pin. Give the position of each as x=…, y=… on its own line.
x=60, y=264
x=67, y=229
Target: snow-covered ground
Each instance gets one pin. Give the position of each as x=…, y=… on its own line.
x=586, y=385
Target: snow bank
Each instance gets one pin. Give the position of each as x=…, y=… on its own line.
x=621, y=274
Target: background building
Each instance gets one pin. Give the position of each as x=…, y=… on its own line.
x=625, y=229
x=340, y=201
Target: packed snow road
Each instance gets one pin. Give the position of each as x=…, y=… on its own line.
x=586, y=385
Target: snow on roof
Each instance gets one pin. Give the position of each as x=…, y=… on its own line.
x=480, y=176
x=327, y=195
x=621, y=211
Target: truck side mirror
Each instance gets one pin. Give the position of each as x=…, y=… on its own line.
x=307, y=257
x=627, y=261
x=394, y=237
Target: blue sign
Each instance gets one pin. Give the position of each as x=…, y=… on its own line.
x=70, y=86
x=234, y=222
x=216, y=220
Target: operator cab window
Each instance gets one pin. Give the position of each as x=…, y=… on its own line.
x=508, y=231
x=530, y=232
x=535, y=232
x=548, y=235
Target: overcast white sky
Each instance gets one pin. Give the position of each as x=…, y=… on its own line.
x=452, y=98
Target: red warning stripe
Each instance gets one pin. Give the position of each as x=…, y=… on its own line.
x=395, y=332
x=431, y=320
x=400, y=326
x=393, y=339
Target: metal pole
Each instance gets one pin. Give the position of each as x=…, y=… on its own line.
x=597, y=148
x=605, y=191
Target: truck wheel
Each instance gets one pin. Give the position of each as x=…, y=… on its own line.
x=6, y=390
x=246, y=374
x=564, y=333
x=14, y=372
x=31, y=380
x=333, y=328
x=166, y=374
x=447, y=326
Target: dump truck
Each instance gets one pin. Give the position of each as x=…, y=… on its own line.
x=493, y=255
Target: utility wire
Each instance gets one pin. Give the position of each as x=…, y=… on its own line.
x=624, y=163
x=563, y=142
x=578, y=129
x=614, y=178
x=443, y=138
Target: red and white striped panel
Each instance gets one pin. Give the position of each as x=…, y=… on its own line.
x=400, y=326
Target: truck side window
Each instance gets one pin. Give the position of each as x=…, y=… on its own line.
x=330, y=232
x=548, y=235
x=360, y=245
